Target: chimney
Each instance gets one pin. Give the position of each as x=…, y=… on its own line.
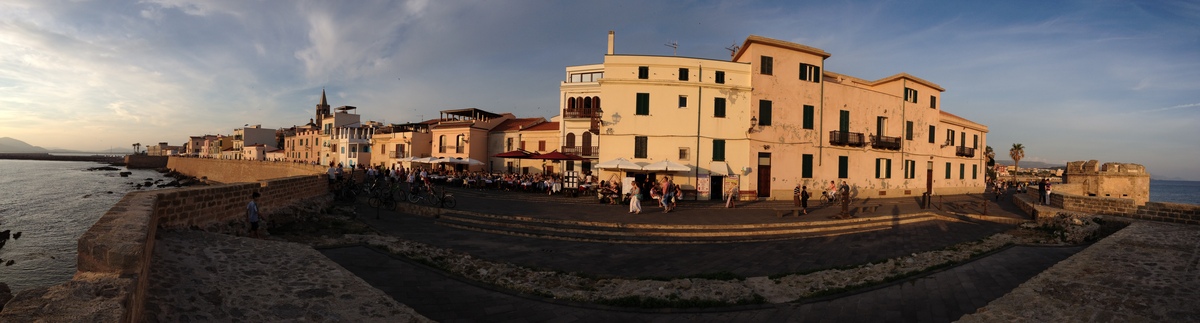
x=610, y=42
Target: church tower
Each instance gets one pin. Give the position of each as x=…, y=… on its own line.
x=322, y=108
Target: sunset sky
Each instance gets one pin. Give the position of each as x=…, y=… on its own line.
x=1071, y=80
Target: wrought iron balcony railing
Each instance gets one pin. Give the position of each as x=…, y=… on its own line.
x=582, y=151
x=885, y=142
x=838, y=138
x=964, y=151
x=582, y=113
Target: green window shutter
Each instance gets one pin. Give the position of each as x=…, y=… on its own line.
x=817, y=74
x=764, y=112
x=844, y=121
x=767, y=65
x=932, y=102
x=643, y=72
x=718, y=150
x=877, y=162
x=843, y=166
x=908, y=130
x=962, y=169
x=643, y=104
x=806, y=165
x=948, y=165
x=683, y=74
x=639, y=147
x=804, y=72
x=974, y=171
x=808, y=116
x=932, y=133
x=889, y=168
x=720, y=77
x=719, y=107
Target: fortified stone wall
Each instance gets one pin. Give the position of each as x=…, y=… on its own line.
x=240, y=171
x=1169, y=212
x=145, y=162
x=1154, y=211
x=114, y=254
x=1121, y=180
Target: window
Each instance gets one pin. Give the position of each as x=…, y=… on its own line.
x=639, y=147
x=908, y=125
x=682, y=101
x=883, y=168
x=766, y=66
x=442, y=143
x=541, y=145
x=880, y=126
x=975, y=141
x=719, y=107
x=806, y=166
x=718, y=150
x=764, y=112
x=643, y=72
x=643, y=104
x=910, y=169
x=962, y=169
x=975, y=171
x=948, y=170
x=684, y=153
x=508, y=144
x=932, y=102
x=808, y=117
x=810, y=73
x=932, y=132
x=963, y=142
x=843, y=166
x=720, y=77
x=950, y=137
x=910, y=95
x=683, y=74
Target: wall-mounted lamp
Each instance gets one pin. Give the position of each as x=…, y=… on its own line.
x=616, y=118
x=753, y=122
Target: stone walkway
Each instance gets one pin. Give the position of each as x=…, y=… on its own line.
x=1147, y=272
x=210, y=277
x=939, y=297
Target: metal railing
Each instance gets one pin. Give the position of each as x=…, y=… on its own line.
x=582, y=151
x=964, y=151
x=838, y=138
x=885, y=142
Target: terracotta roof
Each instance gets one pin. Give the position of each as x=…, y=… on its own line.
x=544, y=126
x=517, y=124
x=778, y=43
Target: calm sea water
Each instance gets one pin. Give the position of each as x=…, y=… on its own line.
x=52, y=203
x=1187, y=192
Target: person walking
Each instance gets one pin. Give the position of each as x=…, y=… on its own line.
x=635, y=202
x=796, y=196
x=804, y=200
x=1042, y=191
x=1047, y=191
x=252, y=215
x=730, y=197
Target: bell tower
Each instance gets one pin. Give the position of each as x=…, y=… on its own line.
x=322, y=108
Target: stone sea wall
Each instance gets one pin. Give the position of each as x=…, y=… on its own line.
x=114, y=254
x=145, y=162
x=1153, y=211
x=240, y=171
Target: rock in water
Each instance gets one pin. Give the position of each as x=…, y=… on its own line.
x=126, y=174
x=16, y=236
x=9, y=263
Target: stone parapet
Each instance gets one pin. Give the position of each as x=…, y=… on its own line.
x=1169, y=212
x=240, y=171
x=145, y=162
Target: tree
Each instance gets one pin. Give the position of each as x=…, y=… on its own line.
x=1017, y=152
x=991, y=162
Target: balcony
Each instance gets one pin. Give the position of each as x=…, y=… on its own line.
x=582, y=113
x=885, y=142
x=853, y=139
x=964, y=151
x=398, y=154
x=585, y=152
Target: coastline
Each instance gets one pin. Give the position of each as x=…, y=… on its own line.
x=114, y=160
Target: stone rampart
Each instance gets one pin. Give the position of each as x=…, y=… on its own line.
x=1154, y=211
x=145, y=162
x=239, y=171
x=1169, y=212
x=114, y=254
x=1123, y=180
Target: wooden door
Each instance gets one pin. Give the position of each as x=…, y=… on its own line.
x=764, y=174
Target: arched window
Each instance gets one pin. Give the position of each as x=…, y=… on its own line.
x=596, y=103
x=587, y=144
x=570, y=103
x=442, y=144
x=570, y=139
x=458, y=144
x=587, y=104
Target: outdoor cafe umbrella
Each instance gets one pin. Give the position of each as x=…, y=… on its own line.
x=515, y=154
x=555, y=156
x=618, y=164
x=667, y=166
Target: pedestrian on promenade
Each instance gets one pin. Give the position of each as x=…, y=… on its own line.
x=830, y=191
x=804, y=200
x=730, y=197
x=635, y=202
x=667, y=194
x=252, y=215
x=796, y=195
x=1042, y=192
x=1047, y=198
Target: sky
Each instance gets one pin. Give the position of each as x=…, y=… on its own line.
x=1115, y=81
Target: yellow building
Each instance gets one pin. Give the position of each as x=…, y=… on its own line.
x=395, y=144
x=507, y=136
x=463, y=134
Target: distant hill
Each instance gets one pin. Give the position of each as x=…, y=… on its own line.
x=10, y=145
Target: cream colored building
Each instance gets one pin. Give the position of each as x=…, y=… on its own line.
x=396, y=142
x=581, y=114
x=251, y=135
x=544, y=138
x=506, y=137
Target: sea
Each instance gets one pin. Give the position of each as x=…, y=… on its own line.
x=52, y=203
x=1186, y=192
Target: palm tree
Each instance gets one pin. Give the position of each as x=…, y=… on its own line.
x=1017, y=152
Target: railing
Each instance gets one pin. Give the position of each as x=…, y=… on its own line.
x=582, y=113
x=398, y=154
x=964, y=151
x=584, y=151
x=838, y=138
x=885, y=142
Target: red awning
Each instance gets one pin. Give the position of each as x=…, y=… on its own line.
x=519, y=154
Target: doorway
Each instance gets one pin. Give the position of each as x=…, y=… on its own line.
x=717, y=188
x=764, y=174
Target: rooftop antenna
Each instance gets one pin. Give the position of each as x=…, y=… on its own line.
x=674, y=45
x=733, y=49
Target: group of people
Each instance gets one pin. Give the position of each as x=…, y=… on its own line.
x=1044, y=189
x=665, y=191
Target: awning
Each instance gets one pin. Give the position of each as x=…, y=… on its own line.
x=718, y=168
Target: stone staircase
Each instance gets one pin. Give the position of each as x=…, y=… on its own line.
x=646, y=233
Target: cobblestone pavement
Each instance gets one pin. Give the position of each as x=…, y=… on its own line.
x=210, y=277
x=1147, y=272
x=940, y=297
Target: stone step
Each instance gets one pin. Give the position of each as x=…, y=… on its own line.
x=658, y=233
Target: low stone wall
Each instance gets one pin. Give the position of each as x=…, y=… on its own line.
x=240, y=171
x=145, y=162
x=1093, y=204
x=1154, y=211
x=114, y=254
x=1169, y=212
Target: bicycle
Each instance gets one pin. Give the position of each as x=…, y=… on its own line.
x=345, y=190
x=385, y=197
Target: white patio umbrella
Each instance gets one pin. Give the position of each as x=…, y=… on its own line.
x=667, y=166
x=618, y=164
x=472, y=162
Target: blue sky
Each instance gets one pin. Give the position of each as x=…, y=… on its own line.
x=1106, y=80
